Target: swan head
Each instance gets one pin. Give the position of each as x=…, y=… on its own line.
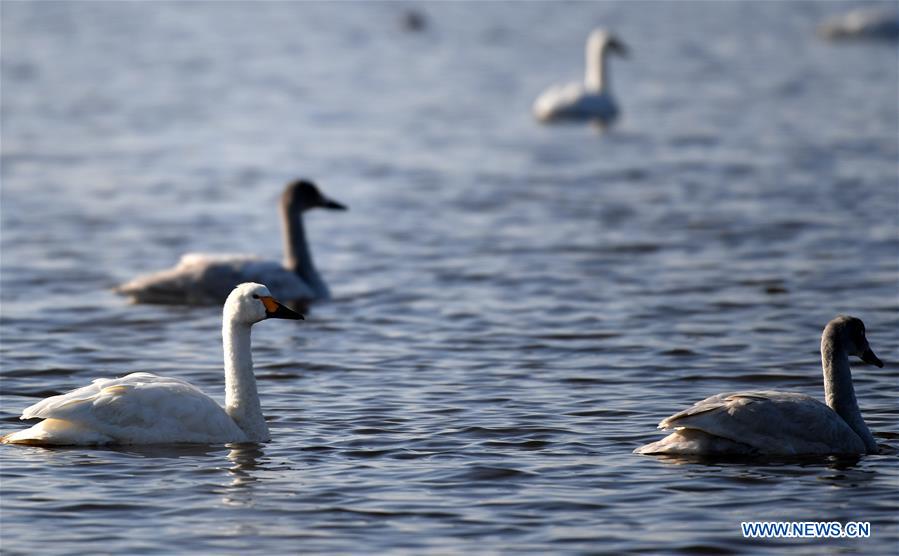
x=302, y=195
x=602, y=41
x=250, y=303
x=850, y=333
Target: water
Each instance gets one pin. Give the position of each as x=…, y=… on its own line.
x=516, y=306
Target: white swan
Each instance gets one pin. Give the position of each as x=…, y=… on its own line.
x=591, y=100
x=142, y=408
x=781, y=423
x=880, y=22
x=202, y=279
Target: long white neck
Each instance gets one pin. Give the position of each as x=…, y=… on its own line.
x=241, y=397
x=297, y=257
x=596, y=78
x=839, y=393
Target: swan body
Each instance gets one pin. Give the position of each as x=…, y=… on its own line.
x=781, y=423
x=207, y=279
x=202, y=279
x=588, y=101
x=863, y=23
x=143, y=408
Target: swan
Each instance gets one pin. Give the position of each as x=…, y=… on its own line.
x=143, y=408
x=202, y=279
x=781, y=423
x=591, y=100
x=863, y=23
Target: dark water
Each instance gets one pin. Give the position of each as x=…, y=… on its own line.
x=516, y=306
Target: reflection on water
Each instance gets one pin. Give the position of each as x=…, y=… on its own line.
x=841, y=462
x=162, y=451
x=244, y=459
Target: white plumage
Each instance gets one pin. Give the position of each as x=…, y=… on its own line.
x=207, y=279
x=591, y=100
x=879, y=22
x=142, y=408
x=781, y=423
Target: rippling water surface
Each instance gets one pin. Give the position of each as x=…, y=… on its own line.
x=516, y=306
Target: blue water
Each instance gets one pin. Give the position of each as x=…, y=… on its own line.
x=516, y=306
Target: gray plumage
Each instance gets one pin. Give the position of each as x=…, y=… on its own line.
x=203, y=279
x=781, y=423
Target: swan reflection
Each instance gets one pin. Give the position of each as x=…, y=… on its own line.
x=244, y=459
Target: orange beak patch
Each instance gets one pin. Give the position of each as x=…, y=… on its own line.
x=270, y=304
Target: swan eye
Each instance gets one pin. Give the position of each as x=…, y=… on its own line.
x=255, y=296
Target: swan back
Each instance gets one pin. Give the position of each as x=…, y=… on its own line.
x=769, y=422
x=140, y=408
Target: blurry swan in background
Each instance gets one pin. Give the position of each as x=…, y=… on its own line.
x=881, y=22
x=142, y=408
x=781, y=423
x=591, y=100
x=202, y=279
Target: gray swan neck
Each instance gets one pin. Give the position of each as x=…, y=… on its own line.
x=839, y=392
x=297, y=257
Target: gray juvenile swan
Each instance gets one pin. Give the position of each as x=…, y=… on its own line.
x=143, y=408
x=781, y=423
x=202, y=279
x=591, y=100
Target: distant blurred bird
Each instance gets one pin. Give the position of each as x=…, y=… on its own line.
x=864, y=23
x=202, y=279
x=413, y=20
x=592, y=100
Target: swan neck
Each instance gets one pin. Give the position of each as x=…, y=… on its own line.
x=839, y=392
x=597, y=77
x=297, y=257
x=241, y=397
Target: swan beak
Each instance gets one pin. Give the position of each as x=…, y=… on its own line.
x=618, y=47
x=274, y=310
x=871, y=359
x=331, y=204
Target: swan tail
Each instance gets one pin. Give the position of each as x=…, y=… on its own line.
x=167, y=287
x=56, y=432
x=197, y=279
x=695, y=442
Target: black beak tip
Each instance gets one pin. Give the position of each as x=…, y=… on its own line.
x=282, y=312
x=871, y=359
x=619, y=47
x=333, y=205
